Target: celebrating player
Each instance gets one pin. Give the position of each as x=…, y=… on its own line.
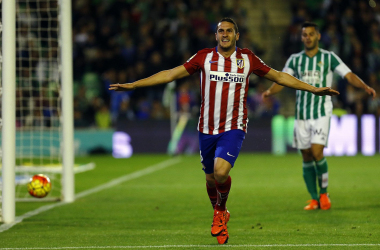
x=311, y=128
x=224, y=73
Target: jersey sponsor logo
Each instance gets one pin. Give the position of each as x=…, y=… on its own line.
x=311, y=76
x=240, y=63
x=226, y=77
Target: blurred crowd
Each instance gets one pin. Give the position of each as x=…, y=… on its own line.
x=37, y=74
x=123, y=41
x=351, y=29
x=120, y=41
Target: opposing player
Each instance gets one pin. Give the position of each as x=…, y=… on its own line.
x=311, y=128
x=223, y=121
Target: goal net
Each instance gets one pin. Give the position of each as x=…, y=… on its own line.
x=38, y=97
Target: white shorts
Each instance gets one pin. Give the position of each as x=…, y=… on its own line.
x=313, y=131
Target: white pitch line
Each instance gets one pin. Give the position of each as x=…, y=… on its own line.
x=112, y=183
x=198, y=246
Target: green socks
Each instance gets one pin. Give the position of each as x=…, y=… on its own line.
x=310, y=173
x=310, y=176
x=323, y=176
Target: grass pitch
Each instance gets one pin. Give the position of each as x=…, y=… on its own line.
x=169, y=207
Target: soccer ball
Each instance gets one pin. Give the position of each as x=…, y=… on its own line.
x=39, y=186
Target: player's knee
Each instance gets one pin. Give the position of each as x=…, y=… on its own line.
x=210, y=180
x=221, y=175
x=317, y=156
x=307, y=155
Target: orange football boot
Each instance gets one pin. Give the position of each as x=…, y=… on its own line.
x=228, y=214
x=313, y=205
x=218, y=223
x=325, y=202
x=223, y=236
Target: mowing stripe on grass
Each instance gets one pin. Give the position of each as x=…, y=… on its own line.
x=201, y=246
x=109, y=184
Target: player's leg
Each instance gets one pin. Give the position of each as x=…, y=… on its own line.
x=207, y=145
x=227, y=150
x=302, y=141
x=322, y=168
x=319, y=138
x=310, y=178
x=322, y=174
x=223, y=186
x=222, y=182
x=211, y=189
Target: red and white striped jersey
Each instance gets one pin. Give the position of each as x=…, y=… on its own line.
x=224, y=88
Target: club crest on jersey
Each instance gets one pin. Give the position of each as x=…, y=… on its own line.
x=240, y=63
x=320, y=64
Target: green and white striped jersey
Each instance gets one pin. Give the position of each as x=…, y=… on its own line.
x=317, y=71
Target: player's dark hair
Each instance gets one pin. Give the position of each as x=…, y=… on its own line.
x=310, y=24
x=230, y=20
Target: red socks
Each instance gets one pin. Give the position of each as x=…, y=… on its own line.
x=211, y=191
x=223, y=189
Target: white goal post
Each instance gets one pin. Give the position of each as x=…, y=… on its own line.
x=8, y=102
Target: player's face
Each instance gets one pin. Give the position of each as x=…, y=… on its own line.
x=310, y=38
x=226, y=36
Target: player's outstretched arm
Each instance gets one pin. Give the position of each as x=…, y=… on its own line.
x=161, y=77
x=287, y=80
x=355, y=80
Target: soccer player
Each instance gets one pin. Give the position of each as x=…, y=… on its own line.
x=224, y=77
x=311, y=128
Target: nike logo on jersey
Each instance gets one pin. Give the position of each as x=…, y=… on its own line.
x=228, y=153
x=213, y=61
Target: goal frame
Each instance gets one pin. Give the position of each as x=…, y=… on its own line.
x=8, y=118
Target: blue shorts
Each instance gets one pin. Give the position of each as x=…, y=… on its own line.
x=226, y=145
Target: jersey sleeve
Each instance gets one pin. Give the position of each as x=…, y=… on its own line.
x=289, y=66
x=194, y=63
x=338, y=66
x=258, y=66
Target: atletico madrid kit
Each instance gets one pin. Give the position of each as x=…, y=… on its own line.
x=224, y=87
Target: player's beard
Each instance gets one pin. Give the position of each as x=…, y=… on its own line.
x=313, y=45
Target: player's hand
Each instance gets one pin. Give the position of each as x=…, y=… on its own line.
x=370, y=91
x=325, y=91
x=122, y=87
x=266, y=94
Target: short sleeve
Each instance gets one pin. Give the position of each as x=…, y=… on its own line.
x=338, y=66
x=258, y=66
x=289, y=66
x=193, y=64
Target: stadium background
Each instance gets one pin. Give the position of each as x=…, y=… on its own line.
x=126, y=40
x=115, y=208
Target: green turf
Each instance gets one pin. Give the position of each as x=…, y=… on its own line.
x=171, y=207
